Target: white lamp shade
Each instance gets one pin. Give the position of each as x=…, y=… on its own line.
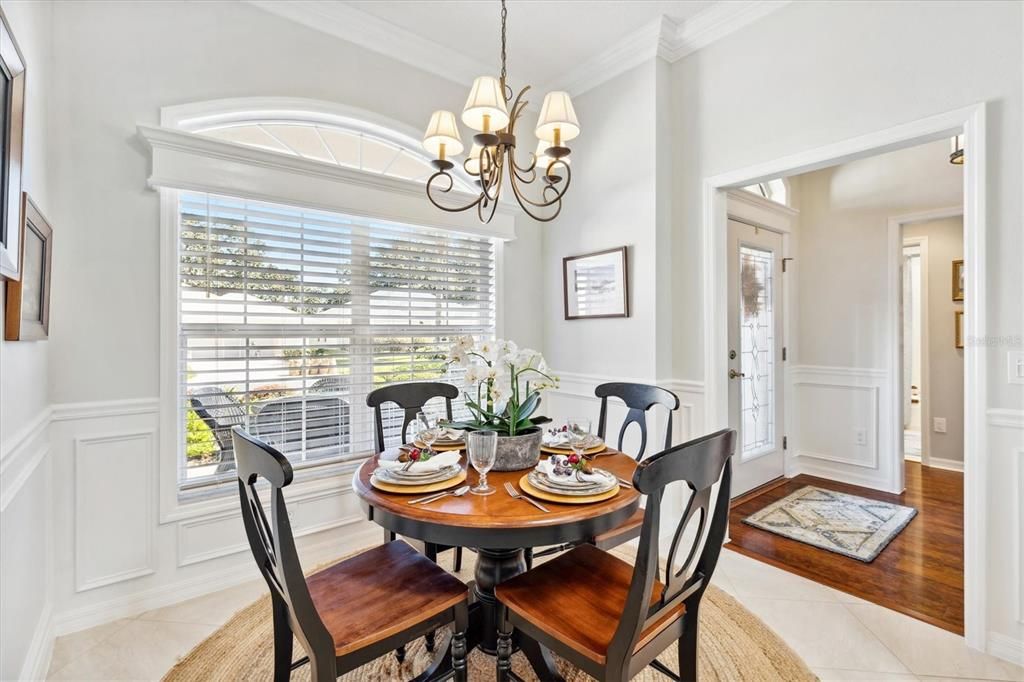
x=543, y=160
x=557, y=112
x=485, y=98
x=442, y=129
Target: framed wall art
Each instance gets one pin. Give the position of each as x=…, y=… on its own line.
x=958, y=280
x=596, y=285
x=12, y=124
x=28, y=298
x=958, y=328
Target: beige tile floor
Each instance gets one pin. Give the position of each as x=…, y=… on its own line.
x=841, y=637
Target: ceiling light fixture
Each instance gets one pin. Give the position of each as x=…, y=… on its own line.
x=491, y=111
x=956, y=144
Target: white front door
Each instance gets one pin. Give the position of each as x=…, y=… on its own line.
x=755, y=354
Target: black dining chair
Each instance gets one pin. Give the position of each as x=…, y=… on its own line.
x=354, y=611
x=410, y=397
x=639, y=400
x=617, y=619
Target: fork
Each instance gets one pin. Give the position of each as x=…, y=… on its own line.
x=519, y=496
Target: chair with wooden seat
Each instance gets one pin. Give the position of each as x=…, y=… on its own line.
x=350, y=613
x=609, y=618
x=639, y=400
x=411, y=397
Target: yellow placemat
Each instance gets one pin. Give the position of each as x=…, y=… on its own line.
x=413, y=489
x=530, y=490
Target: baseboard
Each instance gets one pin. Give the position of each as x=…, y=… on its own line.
x=810, y=468
x=950, y=464
x=131, y=605
x=40, y=650
x=1006, y=648
x=912, y=458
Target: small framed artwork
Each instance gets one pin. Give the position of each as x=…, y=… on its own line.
x=12, y=123
x=28, y=299
x=958, y=326
x=596, y=285
x=958, y=280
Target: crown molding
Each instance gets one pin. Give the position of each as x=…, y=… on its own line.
x=362, y=28
x=715, y=23
x=663, y=37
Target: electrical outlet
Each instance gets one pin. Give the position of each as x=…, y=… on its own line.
x=1015, y=367
x=860, y=436
x=939, y=424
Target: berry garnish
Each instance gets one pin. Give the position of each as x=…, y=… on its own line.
x=574, y=459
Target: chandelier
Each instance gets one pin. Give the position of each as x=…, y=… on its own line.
x=491, y=111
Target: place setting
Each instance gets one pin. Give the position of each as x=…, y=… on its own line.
x=421, y=467
x=571, y=478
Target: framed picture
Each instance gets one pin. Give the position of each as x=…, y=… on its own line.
x=28, y=299
x=958, y=280
x=958, y=326
x=12, y=124
x=596, y=285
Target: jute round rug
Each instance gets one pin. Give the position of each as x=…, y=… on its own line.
x=734, y=646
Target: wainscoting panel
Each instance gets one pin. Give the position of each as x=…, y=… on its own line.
x=114, y=498
x=837, y=421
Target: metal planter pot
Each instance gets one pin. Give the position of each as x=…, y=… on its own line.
x=521, y=451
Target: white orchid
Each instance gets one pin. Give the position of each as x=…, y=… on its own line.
x=503, y=382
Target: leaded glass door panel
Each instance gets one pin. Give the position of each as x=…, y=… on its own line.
x=755, y=353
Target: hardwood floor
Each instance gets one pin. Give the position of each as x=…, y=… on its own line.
x=920, y=573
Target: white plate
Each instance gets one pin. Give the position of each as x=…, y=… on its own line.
x=542, y=482
x=396, y=477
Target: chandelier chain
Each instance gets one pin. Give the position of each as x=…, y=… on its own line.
x=504, y=18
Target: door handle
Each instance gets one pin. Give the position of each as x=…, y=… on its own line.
x=733, y=374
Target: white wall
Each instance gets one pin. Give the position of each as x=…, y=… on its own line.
x=812, y=74
x=117, y=64
x=26, y=504
x=945, y=389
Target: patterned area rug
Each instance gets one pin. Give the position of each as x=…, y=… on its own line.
x=845, y=524
x=735, y=646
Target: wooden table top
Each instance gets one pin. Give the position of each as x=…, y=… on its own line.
x=499, y=511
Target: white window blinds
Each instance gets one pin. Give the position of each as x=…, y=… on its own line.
x=289, y=317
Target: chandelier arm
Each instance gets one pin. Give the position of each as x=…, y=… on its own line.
x=451, y=183
x=559, y=192
x=525, y=204
x=492, y=180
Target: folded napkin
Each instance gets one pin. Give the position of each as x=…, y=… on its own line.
x=439, y=461
x=548, y=466
x=450, y=434
x=560, y=439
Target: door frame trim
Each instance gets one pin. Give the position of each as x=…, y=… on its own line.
x=970, y=121
x=898, y=371
x=894, y=313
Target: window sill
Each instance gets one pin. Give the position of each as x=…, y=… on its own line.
x=222, y=497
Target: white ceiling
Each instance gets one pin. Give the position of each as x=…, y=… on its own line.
x=545, y=39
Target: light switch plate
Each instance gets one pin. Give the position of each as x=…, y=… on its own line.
x=1015, y=366
x=939, y=424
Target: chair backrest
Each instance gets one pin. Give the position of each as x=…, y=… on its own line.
x=220, y=411
x=639, y=398
x=411, y=397
x=272, y=543
x=699, y=463
x=318, y=424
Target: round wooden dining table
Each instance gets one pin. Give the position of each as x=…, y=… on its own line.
x=499, y=527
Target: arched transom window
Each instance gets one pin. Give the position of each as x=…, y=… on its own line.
x=327, y=143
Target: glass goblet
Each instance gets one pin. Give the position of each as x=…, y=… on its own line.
x=578, y=431
x=483, y=448
x=428, y=432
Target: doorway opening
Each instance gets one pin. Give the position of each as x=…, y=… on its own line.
x=871, y=445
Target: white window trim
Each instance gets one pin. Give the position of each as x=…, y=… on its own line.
x=185, y=161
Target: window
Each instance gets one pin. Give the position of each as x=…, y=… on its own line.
x=772, y=190
x=288, y=317
x=330, y=144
